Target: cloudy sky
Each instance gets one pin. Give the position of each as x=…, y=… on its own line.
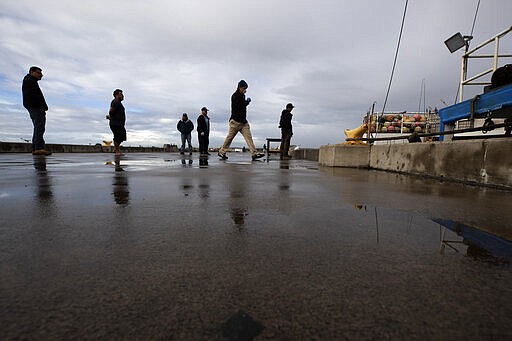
x=331, y=58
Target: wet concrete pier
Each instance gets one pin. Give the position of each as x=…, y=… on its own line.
x=156, y=246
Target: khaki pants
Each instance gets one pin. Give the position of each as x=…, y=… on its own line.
x=245, y=130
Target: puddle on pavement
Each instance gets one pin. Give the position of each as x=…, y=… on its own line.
x=407, y=223
x=482, y=246
x=447, y=237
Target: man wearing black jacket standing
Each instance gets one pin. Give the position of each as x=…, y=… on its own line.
x=34, y=102
x=117, y=117
x=238, y=122
x=285, y=123
x=203, y=131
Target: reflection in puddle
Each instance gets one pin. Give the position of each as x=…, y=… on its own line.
x=390, y=226
x=186, y=163
x=479, y=245
x=203, y=162
x=204, y=191
x=120, y=184
x=44, y=186
x=238, y=215
x=360, y=207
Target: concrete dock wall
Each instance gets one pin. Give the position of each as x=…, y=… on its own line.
x=305, y=154
x=357, y=156
x=484, y=162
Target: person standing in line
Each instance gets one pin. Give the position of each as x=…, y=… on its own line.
x=203, y=131
x=34, y=102
x=285, y=123
x=185, y=127
x=238, y=122
x=117, y=119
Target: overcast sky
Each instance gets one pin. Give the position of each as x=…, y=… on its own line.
x=331, y=58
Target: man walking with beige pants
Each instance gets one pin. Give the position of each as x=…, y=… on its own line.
x=238, y=122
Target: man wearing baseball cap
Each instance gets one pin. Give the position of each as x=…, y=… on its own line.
x=203, y=131
x=285, y=123
x=238, y=122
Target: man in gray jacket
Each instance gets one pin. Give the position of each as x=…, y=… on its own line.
x=185, y=127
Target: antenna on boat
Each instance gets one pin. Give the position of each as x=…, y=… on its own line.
x=422, y=96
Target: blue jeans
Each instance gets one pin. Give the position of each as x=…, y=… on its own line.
x=38, y=117
x=187, y=138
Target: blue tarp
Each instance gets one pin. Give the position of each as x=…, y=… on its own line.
x=488, y=102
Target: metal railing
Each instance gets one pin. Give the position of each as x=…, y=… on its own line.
x=464, y=80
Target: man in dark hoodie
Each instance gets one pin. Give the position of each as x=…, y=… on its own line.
x=238, y=122
x=34, y=102
x=185, y=127
x=285, y=123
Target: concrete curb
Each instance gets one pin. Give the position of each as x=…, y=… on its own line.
x=481, y=162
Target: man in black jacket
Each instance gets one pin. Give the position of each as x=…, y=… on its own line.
x=117, y=117
x=203, y=131
x=185, y=127
x=285, y=123
x=34, y=102
x=238, y=122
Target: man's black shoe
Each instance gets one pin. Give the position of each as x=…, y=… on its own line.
x=223, y=156
x=258, y=156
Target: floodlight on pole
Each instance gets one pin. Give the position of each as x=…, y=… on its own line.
x=457, y=41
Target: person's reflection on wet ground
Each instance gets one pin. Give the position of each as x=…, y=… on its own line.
x=238, y=192
x=282, y=197
x=117, y=163
x=43, y=182
x=203, y=162
x=184, y=162
x=204, y=190
x=284, y=164
x=120, y=184
x=238, y=216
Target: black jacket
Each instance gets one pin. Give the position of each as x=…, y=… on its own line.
x=285, y=123
x=203, y=125
x=32, y=94
x=117, y=113
x=185, y=127
x=239, y=107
